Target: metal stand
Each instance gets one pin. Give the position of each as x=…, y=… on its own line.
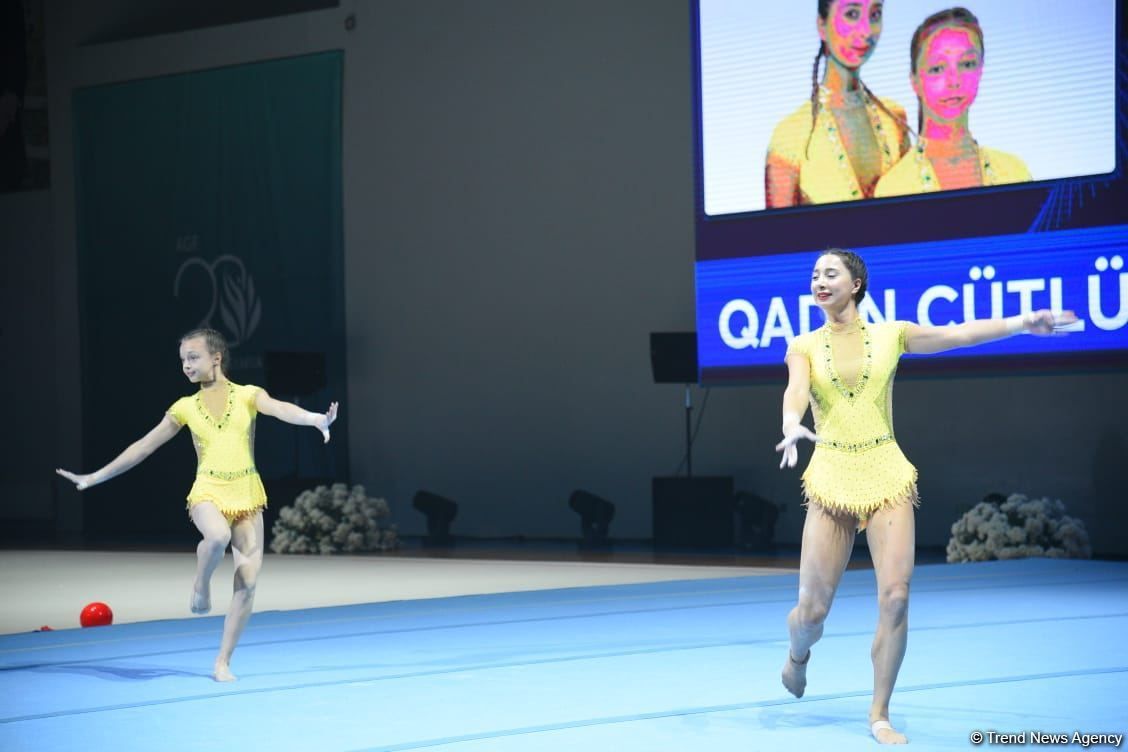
x=688, y=433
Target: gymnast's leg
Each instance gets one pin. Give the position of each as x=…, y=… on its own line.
x=827, y=542
x=891, y=535
x=246, y=546
x=216, y=534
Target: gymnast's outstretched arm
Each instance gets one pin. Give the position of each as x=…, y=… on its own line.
x=934, y=339
x=291, y=413
x=133, y=455
x=796, y=399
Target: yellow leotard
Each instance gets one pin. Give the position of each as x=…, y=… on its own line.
x=225, y=471
x=857, y=467
x=915, y=174
x=817, y=153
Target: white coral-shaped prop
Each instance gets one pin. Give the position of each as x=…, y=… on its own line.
x=1017, y=528
x=333, y=519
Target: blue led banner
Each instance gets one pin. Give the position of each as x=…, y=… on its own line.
x=748, y=309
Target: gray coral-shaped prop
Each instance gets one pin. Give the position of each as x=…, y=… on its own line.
x=1018, y=528
x=333, y=519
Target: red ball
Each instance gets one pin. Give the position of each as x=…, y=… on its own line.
x=96, y=615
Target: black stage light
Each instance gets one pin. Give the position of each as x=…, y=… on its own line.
x=595, y=517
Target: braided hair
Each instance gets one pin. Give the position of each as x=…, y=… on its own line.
x=815, y=84
x=824, y=12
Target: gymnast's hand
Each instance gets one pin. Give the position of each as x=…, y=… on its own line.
x=81, y=482
x=788, y=446
x=326, y=419
x=1047, y=324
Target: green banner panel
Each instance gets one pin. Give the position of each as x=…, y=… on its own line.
x=210, y=198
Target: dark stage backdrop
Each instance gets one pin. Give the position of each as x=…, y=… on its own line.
x=210, y=198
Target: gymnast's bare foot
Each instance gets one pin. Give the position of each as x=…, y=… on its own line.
x=795, y=674
x=201, y=599
x=222, y=671
x=884, y=732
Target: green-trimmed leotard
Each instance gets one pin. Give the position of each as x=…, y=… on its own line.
x=857, y=467
x=225, y=471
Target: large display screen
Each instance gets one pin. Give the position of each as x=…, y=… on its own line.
x=1038, y=81
x=973, y=156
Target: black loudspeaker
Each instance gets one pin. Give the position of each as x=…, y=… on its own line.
x=673, y=357
x=694, y=512
x=758, y=517
x=294, y=374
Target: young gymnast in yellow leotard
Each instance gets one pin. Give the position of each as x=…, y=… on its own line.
x=838, y=144
x=227, y=498
x=946, y=62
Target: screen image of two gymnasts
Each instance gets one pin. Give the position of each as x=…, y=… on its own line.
x=847, y=143
x=900, y=99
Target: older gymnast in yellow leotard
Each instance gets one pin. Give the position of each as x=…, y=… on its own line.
x=858, y=478
x=836, y=146
x=227, y=498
